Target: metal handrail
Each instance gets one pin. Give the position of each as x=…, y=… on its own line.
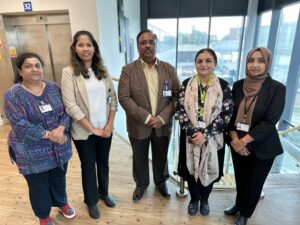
x=284, y=132
x=115, y=79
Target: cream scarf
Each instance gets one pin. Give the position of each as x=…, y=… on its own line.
x=202, y=162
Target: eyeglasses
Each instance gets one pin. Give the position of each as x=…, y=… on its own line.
x=207, y=61
x=259, y=60
x=144, y=42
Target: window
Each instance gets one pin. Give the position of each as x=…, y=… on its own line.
x=192, y=36
x=264, y=29
x=225, y=39
x=165, y=29
x=284, y=43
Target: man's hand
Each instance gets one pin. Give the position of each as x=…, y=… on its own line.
x=155, y=122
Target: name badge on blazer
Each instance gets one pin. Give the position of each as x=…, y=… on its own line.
x=167, y=92
x=109, y=99
x=242, y=127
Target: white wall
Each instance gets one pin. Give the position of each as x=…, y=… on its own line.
x=83, y=14
x=109, y=34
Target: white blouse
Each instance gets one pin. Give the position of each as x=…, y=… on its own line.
x=97, y=98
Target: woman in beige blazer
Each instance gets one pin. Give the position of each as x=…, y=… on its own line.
x=90, y=100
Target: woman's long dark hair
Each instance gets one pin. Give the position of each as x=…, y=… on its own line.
x=97, y=62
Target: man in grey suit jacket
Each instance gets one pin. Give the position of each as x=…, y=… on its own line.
x=147, y=89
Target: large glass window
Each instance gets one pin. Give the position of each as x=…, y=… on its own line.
x=165, y=29
x=225, y=39
x=192, y=36
x=285, y=41
x=264, y=29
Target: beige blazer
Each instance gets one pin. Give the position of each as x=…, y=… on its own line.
x=74, y=95
x=135, y=99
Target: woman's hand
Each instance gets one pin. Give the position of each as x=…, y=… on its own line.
x=57, y=135
x=108, y=130
x=98, y=132
x=237, y=145
x=244, y=152
x=198, y=139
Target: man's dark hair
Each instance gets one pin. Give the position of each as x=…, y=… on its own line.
x=145, y=31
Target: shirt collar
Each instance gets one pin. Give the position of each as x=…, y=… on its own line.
x=145, y=64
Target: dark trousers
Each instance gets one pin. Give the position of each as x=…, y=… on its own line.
x=94, y=156
x=197, y=190
x=159, y=149
x=47, y=189
x=250, y=176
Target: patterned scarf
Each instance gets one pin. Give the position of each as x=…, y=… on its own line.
x=202, y=162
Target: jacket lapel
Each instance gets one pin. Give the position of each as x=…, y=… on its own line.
x=161, y=80
x=141, y=78
x=79, y=80
x=261, y=100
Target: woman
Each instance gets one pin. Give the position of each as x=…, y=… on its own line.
x=203, y=109
x=258, y=105
x=39, y=141
x=90, y=100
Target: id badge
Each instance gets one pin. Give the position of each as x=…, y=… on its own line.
x=109, y=99
x=167, y=93
x=45, y=108
x=242, y=127
x=201, y=124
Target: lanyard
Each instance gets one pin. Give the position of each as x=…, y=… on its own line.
x=202, y=95
x=246, y=109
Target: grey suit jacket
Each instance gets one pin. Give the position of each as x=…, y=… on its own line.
x=135, y=99
x=75, y=98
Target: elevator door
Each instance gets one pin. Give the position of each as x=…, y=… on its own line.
x=39, y=34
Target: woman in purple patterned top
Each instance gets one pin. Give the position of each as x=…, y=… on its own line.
x=39, y=142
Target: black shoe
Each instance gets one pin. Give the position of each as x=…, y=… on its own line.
x=241, y=220
x=164, y=190
x=193, y=208
x=231, y=210
x=109, y=200
x=94, y=211
x=204, y=208
x=138, y=193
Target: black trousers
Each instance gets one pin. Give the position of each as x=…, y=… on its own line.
x=197, y=190
x=159, y=149
x=250, y=176
x=47, y=189
x=94, y=157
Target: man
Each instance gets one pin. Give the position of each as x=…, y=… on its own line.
x=146, y=92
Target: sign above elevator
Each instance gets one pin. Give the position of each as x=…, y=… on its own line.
x=27, y=6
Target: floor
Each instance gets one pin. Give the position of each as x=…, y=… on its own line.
x=279, y=206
